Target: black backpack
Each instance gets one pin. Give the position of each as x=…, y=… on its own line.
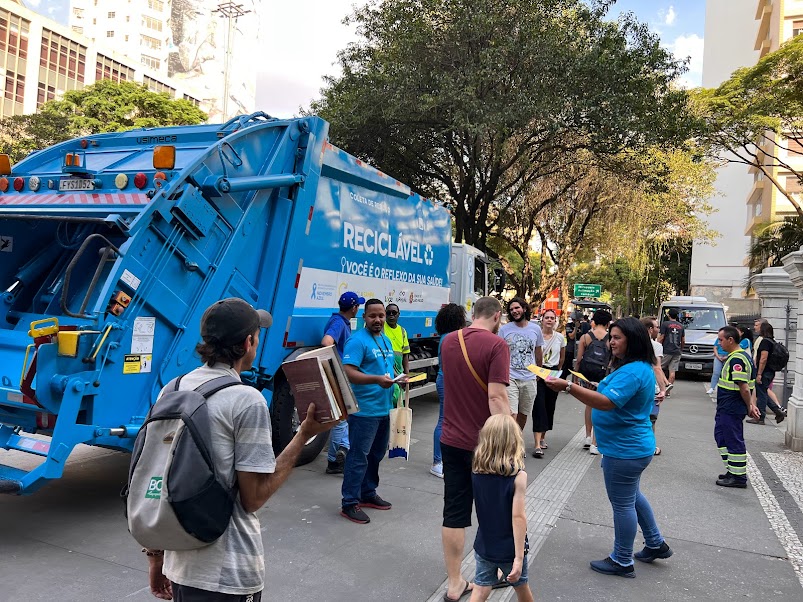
x=778, y=357
x=596, y=357
x=174, y=497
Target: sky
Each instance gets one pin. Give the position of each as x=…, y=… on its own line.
x=302, y=38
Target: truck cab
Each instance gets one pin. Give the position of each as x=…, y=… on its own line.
x=701, y=320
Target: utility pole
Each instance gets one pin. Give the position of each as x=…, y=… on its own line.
x=231, y=11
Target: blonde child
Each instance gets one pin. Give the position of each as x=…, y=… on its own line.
x=499, y=482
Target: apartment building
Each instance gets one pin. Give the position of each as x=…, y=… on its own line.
x=208, y=45
x=41, y=59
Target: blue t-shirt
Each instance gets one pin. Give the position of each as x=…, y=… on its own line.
x=372, y=355
x=626, y=432
x=744, y=344
x=339, y=328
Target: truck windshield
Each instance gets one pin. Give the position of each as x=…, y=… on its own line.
x=700, y=318
x=480, y=278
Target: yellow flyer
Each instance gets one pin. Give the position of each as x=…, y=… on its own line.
x=543, y=372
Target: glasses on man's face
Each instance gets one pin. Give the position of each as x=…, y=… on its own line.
x=393, y=313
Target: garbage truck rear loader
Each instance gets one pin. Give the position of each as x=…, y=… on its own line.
x=112, y=246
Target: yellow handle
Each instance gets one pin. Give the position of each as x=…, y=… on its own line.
x=37, y=331
x=25, y=361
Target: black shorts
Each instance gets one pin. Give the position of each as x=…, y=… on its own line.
x=458, y=494
x=185, y=593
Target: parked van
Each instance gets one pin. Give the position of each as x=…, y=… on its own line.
x=702, y=320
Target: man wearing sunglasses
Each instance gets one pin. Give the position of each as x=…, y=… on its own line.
x=401, y=344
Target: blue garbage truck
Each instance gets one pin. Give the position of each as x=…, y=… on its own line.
x=112, y=245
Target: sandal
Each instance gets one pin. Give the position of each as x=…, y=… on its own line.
x=538, y=453
x=466, y=590
x=544, y=445
x=657, y=451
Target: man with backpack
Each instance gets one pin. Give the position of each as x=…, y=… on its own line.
x=672, y=337
x=771, y=356
x=234, y=429
x=593, y=358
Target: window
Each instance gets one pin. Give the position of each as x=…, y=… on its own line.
x=156, y=5
x=44, y=94
x=62, y=56
x=78, y=30
x=154, y=85
x=15, y=87
x=797, y=27
x=149, y=42
x=110, y=15
x=126, y=37
x=110, y=69
x=150, y=61
x=194, y=101
x=757, y=211
x=152, y=23
x=794, y=146
x=793, y=185
x=78, y=13
x=109, y=34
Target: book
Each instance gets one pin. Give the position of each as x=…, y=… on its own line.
x=317, y=376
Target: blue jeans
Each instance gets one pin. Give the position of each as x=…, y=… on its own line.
x=762, y=394
x=338, y=437
x=716, y=373
x=436, y=436
x=630, y=508
x=369, y=443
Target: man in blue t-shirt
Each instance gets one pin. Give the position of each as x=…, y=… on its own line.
x=336, y=332
x=368, y=360
x=734, y=401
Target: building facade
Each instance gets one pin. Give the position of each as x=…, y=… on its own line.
x=41, y=59
x=209, y=46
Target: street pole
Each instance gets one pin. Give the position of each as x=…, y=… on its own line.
x=231, y=12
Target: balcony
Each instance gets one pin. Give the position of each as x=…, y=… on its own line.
x=763, y=16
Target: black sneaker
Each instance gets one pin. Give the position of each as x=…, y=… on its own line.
x=779, y=417
x=377, y=503
x=650, y=554
x=731, y=481
x=355, y=514
x=340, y=456
x=334, y=467
x=607, y=566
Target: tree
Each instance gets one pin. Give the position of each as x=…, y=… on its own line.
x=756, y=116
x=20, y=135
x=108, y=106
x=772, y=242
x=470, y=101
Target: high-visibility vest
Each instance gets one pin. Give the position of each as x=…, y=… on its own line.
x=726, y=380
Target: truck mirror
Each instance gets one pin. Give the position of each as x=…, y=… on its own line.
x=499, y=280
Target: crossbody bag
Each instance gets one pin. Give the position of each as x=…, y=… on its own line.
x=468, y=361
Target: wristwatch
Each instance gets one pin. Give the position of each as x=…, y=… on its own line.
x=568, y=388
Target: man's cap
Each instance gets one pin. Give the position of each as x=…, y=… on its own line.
x=230, y=321
x=349, y=299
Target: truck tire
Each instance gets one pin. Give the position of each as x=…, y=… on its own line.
x=284, y=418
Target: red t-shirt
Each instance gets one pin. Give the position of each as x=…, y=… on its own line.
x=465, y=405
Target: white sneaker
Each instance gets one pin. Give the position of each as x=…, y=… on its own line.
x=587, y=443
x=437, y=470
x=593, y=450
x=710, y=391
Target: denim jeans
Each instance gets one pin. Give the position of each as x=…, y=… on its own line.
x=716, y=373
x=369, y=444
x=630, y=508
x=762, y=393
x=436, y=436
x=338, y=437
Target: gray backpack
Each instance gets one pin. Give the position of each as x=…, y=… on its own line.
x=174, y=499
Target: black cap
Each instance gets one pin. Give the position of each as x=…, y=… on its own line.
x=229, y=321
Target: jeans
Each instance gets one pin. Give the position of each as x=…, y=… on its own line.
x=369, y=437
x=436, y=436
x=716, y=373
x=630, y=507
x=338, y=437
x=762, y=394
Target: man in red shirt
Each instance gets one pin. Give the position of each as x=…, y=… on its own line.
x=475, y=386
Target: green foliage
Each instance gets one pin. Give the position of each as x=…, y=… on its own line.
x=108, y=106
x=22, y=134
x=473, y=101
x=773, y=241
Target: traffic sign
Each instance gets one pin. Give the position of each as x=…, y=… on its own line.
x=588, y=290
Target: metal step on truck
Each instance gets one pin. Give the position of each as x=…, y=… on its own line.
x=112, y=246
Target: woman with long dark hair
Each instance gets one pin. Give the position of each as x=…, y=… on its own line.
x=764, y=376
x=620, y=414
x=450, y=317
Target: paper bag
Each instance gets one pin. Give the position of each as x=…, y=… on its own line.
x=401, y=424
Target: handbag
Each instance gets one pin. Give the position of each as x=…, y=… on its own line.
x=468, y=361
x=401, y=424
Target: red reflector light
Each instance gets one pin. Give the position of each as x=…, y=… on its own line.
x=84, y=143
x=140, y=180
x=19, y=184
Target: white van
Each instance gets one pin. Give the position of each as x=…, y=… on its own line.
x=702, y=320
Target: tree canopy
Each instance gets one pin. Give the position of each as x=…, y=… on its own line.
x=475, y=101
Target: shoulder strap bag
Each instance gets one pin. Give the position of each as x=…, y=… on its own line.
x=468, y=361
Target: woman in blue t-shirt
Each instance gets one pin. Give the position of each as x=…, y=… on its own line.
x=621, y=417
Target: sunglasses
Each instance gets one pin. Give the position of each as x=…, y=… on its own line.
x=393, y=313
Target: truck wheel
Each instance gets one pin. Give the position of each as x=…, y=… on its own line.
x=285, y=426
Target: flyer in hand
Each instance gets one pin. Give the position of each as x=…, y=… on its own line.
x=544, y=372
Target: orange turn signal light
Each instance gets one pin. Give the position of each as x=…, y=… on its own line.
x=164, y=157
x=5, y=165
x=72, y=160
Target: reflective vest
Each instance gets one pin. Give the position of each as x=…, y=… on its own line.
x=730, y=378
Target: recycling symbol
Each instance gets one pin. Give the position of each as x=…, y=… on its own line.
x=429, y=255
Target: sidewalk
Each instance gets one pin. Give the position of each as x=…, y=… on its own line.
x=69, y=541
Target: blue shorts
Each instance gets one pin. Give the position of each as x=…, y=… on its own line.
x=487, y=571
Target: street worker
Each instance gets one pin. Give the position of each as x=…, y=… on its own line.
x=401, y=345
x=476, y=372
x=233, y=566
x=734, y=402
x=368, y=360
x=525, y=340
x=336, y=332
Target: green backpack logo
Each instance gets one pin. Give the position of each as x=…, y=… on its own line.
x=154, y=491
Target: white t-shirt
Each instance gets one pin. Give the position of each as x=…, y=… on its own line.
x=658, y=348
x=551, y=350
x=522, y=342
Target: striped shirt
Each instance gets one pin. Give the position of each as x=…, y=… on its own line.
x=241, y=440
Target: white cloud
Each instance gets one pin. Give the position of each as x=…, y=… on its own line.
x=34, y=3
x=670, y=16
x=689, y=47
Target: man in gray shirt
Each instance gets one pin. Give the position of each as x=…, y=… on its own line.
x=232, y=568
